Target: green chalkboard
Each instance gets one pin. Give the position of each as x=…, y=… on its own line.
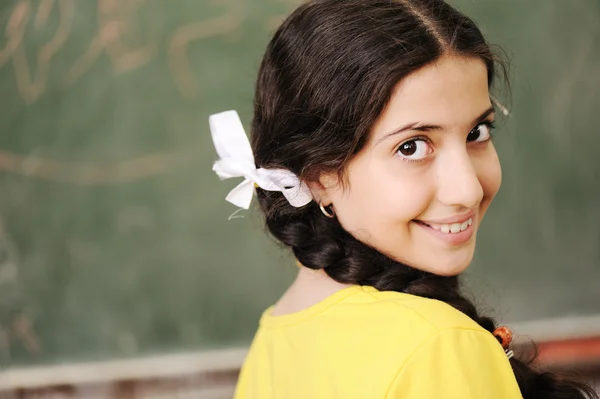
x=114, y=233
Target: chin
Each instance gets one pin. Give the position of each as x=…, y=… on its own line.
x=450, y=265
x=449, y=271
x=446, y=265
x=452, y=268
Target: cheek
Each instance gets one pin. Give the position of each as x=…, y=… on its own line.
x=490, y=174
x=381, y=196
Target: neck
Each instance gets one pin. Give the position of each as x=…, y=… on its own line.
x=309, y=288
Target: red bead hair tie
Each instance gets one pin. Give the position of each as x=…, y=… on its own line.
x=504, y=336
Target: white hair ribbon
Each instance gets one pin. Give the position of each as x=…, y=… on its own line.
x=237, y=160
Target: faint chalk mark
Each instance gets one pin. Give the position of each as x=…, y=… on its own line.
x=43, y=13
x=179, y=62
x=31, y=85
x=23, y=329
x=9, y=265
x=15, y=30
x=8, y=259
x=14, y=323
x=116, y=26
x=87, y=174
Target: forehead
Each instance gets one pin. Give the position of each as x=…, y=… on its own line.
x=450, y=93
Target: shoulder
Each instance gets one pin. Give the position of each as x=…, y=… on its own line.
x=433, y=348
x=395, y=325
x=389, y=307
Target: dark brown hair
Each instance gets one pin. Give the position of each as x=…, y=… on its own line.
x=325, y=78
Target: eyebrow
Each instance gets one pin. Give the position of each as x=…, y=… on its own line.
x=427, y=128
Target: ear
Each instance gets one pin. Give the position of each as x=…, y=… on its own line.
x=324, y=188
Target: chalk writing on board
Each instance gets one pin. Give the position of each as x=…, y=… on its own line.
x=274, y=21
x=15, y=325
x=21, y=330
x=230, y=21
x=128, y=32
x=31, y=85
x=89, y=174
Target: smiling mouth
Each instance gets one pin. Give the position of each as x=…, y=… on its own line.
x=451, y=228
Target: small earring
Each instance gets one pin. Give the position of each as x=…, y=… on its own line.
x=329, y=214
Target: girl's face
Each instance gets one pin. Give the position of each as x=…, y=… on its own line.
x=420, y=187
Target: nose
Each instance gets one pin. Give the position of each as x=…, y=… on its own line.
x=458, y=182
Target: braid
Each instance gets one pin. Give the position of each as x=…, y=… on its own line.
x=321, y=243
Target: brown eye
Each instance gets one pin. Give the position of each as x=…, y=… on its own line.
x=414, y=150
x=409, y=148
x=481, y=133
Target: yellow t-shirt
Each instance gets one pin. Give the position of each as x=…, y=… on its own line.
x=365, y=344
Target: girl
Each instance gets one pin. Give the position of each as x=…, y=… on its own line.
x=372, y=159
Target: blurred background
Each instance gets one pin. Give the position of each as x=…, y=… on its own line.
x=115, y=243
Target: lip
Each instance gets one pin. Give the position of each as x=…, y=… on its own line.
x=450, y=238
x=452, y=219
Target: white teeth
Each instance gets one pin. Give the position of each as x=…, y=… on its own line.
x=452, y=228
